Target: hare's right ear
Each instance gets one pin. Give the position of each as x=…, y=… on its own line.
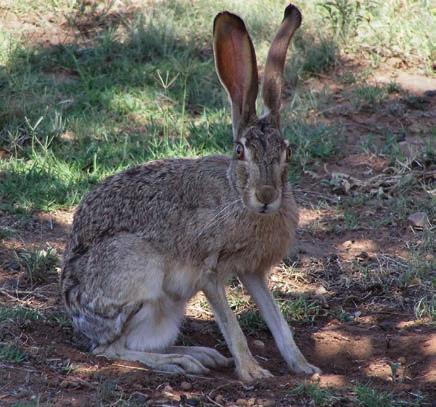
x=235, y=62
x=275, y=63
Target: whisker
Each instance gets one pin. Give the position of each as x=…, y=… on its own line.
x=218, y=216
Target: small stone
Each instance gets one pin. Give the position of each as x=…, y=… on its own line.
x=419, y=219
x=315, y=377
x=241, y=402
x=320, y=290
x=258, y=344
x=186, y=386
x=168, y=389
x=266, y=403
x=219, y=398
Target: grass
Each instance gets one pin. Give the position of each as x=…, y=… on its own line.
x=12, y=354
x=38, y=264
x=18, y=314
x=72, y=115
x=318, y=396
x=369, y=397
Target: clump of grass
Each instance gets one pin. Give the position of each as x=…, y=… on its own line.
x=12, y=354
x=318, y=396
x=300, y=309
x=368, y=97
x=18, y=314
x=312, y=141
x=425, y=307
x=6, y=233
x=369, y=397
x=38, y=264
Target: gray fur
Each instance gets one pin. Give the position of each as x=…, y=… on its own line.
x=146, y=240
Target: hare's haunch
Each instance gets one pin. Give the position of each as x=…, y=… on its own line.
x=147, y=239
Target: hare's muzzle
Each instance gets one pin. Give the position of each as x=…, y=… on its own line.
x=265, y=199
x=266, y=194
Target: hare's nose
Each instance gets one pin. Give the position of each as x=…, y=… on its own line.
x=266, y=194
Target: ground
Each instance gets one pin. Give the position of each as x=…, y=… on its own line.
x=358, y=289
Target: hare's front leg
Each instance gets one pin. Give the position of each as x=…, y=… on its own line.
x=247, y=367
x=256, y=286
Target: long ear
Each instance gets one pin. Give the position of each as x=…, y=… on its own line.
x=275, y=63
x=235, y=62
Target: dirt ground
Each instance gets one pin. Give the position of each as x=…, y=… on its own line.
x=365, y=332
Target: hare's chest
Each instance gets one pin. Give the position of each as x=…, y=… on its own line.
x=260, y=248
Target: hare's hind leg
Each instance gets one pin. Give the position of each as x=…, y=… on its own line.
x=147, y=337
x=120, y=305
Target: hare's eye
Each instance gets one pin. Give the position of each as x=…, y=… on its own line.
x=239, y=151
x=288, y=154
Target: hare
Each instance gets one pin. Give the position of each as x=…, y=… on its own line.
x=146, y=240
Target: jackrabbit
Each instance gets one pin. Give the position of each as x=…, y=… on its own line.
x=146, y=240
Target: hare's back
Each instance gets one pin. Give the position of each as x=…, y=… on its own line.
x=151, y=199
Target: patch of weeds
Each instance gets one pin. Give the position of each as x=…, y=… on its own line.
x=318, y=396
x=6, y=233
x=348, y=78
x=369, y=397
x=300, y=309
x=425, y=307
x=342, y=315
x=12, y=354
x=312, y=142
x=39, y=265
x=19, y=314
x=59, y=319
x=368, y=97
x=107, y=391
x=393, y=87
x=351, y=221
x=320, y=57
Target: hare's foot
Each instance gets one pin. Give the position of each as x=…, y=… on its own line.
x=251, y=371
x=206, y=356
x=300, y=365
x=172, y=362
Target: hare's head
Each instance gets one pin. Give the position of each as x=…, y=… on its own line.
x=259, y=167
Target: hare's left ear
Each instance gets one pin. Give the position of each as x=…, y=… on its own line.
x=235, y=62
x=275, y=63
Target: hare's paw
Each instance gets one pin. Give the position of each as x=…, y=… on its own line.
x=252, y=371
x=209, y=357
x=181, y=364
x=303, y=367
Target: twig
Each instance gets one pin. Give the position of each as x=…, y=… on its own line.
x=213, y=401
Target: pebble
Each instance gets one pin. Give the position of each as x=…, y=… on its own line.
x=186, y=386
x=168, y=389
x=258, y=344
x=266, y=403
x=419, y=219
x=315, y=377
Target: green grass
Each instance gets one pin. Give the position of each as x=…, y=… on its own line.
x=18, y=314
x=369, y=397
x=145, y=88
x=71, y=116
x=318, y=396
x=12, y=354
x=39, y=265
